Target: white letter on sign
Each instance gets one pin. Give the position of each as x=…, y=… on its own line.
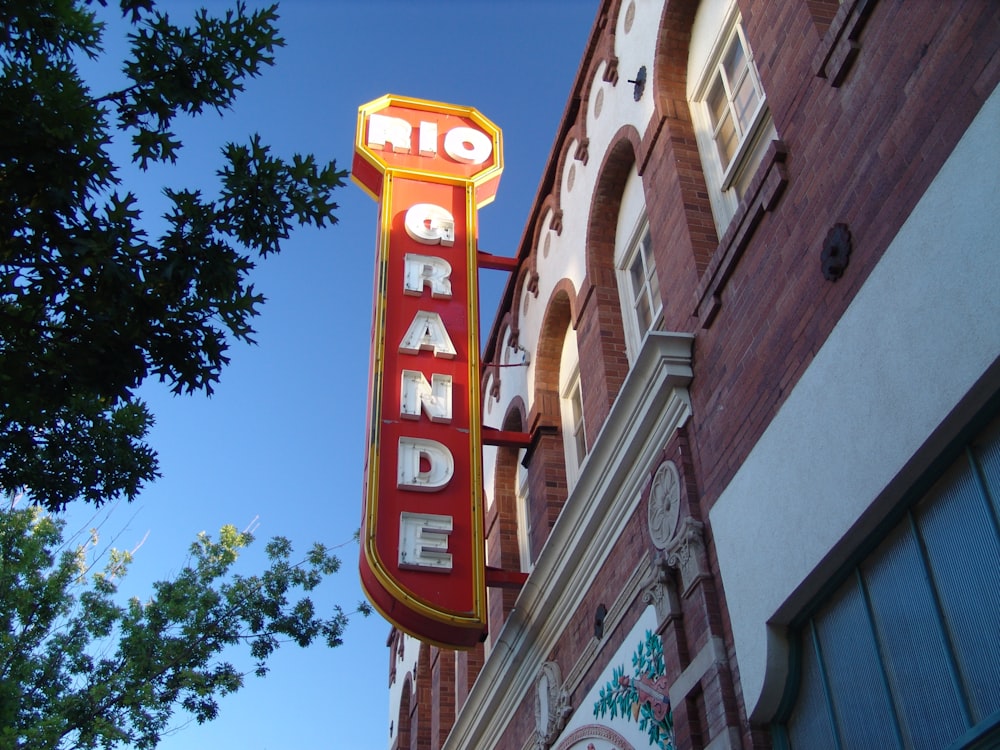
x=420, y=270
x=414, y=455
x=423, y=541
x=383, y=129
x=428, y=139
x=429, y=224
x=427, y=332
x=434, y=397
x=467, y=145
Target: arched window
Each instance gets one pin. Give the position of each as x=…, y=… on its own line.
x=733, y=124
x=638, y=285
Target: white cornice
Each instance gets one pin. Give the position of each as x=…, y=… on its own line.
x=652, y=404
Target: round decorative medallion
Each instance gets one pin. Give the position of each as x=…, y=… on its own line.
x=664, y=504
x=571, y=178
x=598, y=103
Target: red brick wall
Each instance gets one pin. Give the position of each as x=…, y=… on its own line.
x=420, y=724
x=862, y=154
x=442, y=694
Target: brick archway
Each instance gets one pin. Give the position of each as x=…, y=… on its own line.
x=404, y=718
x=547, y=485
x=502, y=520
x=598, y=323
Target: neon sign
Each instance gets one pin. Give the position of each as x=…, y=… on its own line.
x=430, y=166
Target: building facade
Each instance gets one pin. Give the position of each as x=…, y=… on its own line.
x=753, y=337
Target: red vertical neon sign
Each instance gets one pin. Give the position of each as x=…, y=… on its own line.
x=430, y=166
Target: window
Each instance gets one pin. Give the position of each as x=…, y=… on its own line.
x=523, y=515
x=905, y=654
x=574, y=421
x=635, y=266
x=571, y=405
x=728, y=106
x=734, y=101
x=640, y=290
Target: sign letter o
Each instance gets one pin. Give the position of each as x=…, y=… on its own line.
x=468, y=145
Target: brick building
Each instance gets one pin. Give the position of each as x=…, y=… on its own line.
x=754, y=338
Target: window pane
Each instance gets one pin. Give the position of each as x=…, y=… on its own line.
x=637, y=277
x=964, y=553
x=718, y=103
x=745, y=101
x=642, y=315
x=861, y=705
x=579, y=436
x=913, y=648
x=576, y=406
x=581, y=444
x=654, y=284
x=734, y=62
x=810, y=728
x=726, y=140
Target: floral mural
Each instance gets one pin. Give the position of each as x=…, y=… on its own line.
x=643, y=696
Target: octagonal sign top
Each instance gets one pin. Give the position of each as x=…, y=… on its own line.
x=427, y=141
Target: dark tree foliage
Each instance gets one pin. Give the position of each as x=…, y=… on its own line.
x=91, y=305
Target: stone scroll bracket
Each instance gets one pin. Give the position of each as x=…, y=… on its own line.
x=552, y=706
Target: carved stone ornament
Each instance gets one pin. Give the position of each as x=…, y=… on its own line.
x=661, y=592
x=664, y=504
x=687, y=554
x=532, y=286
x=551, y=706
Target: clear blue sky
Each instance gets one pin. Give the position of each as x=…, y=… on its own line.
x=282, y=439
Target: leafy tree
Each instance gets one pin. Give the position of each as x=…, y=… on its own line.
x=91, y=305
x=80, y=670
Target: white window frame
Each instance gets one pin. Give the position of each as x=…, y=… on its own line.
x=574, y=425
x=523, y=515
x=639, y=247
x=726, y=182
